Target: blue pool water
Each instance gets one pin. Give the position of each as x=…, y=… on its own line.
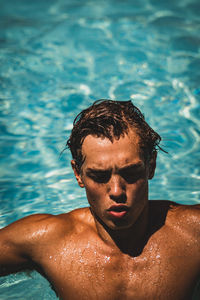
x=56, y=58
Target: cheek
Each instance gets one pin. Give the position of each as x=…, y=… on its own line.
x=96, y=199
x=94, y=192
x=139, y=190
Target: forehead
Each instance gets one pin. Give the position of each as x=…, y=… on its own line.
x=102, y=153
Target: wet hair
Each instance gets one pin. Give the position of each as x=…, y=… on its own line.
x=111, y=119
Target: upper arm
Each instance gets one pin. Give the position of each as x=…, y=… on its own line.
x=18, y=242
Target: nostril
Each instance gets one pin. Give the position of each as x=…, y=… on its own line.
x=119, y=199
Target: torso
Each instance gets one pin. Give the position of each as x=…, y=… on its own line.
x=81, y=266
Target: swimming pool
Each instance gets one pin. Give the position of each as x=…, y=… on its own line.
x=56, y=58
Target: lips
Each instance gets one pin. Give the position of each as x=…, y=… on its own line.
x=118, y=211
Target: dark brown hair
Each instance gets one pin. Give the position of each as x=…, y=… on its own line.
x=111, y=119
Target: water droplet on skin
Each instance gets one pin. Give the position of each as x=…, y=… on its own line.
x=158, y=256
x=107, y=259
x=88, y=245
x=50, y=257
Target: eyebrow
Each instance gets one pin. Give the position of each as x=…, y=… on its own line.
x=132, y=166
x=97, y=170
x=125, y=168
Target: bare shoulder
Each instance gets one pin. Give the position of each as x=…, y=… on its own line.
x=187, y=217
x=182, y=218
x=40, y=228
x=26, y=232
x=25, y=243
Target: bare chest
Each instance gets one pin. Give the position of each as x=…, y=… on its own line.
x=90, y=274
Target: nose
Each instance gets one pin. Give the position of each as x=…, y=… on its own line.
x=116, y=189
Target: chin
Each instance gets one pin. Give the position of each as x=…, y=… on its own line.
x=121, y=226
x=116, y=225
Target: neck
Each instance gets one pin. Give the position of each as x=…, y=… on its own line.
x=129, y=240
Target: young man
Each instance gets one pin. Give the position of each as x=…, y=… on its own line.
x=123, y=246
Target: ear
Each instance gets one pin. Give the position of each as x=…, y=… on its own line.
x=77, y=173
x=152, y=165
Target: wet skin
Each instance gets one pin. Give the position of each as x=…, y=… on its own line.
x=121, y=247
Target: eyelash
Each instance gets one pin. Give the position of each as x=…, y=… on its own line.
x=100, y=178
x=129, y=177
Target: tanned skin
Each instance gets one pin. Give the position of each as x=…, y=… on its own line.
x=123, y=246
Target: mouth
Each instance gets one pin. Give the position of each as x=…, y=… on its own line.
x=118, y=211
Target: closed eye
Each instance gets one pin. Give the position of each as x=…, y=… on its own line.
x=131, y=175
x=99, y=176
